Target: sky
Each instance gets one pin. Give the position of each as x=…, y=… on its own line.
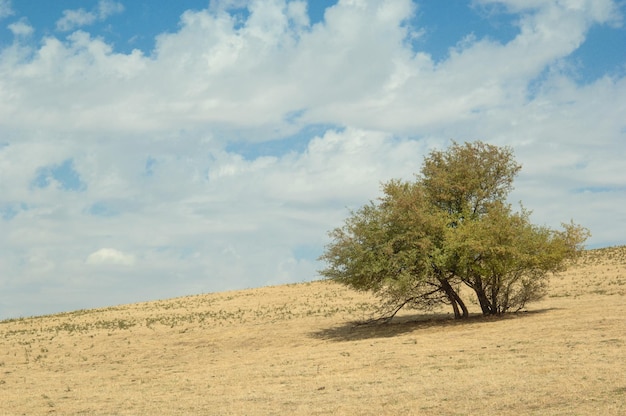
x=200, y=146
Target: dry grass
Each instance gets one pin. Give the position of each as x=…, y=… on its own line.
x=292, y=350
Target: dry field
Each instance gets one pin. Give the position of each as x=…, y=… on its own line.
x=293, y=349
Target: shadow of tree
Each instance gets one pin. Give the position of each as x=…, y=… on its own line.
x=354, y=331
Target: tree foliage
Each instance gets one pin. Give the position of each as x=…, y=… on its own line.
x=419, y=243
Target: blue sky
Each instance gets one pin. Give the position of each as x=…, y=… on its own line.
x=149, y=152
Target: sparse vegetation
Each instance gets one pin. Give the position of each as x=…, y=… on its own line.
x=295, y=349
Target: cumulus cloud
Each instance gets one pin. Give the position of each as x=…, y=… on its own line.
x=110, y=256
x=600, y=11
x=21, y=28
x=154, y=143
x=108, y=8
x=267, y=69
x=76, y=18
x=5, y=8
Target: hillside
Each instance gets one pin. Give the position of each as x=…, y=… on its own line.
x=294, y=350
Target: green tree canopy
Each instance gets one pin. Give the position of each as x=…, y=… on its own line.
x=451, y=227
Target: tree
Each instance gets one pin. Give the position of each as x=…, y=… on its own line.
x=450, y=227
x=466, y=179
x=506, y=260
x=386, y=248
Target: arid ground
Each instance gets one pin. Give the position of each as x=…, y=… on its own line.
x=295, y=350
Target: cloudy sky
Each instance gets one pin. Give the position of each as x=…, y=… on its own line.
x=151, y=152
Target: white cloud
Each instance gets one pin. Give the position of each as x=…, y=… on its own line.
x=153, y=139
x=21, y=28
x=108, y=8
x=267, y=71
x=73, y=19
x=110, y=256
x=5, y=9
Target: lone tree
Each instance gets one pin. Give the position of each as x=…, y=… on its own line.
x=422, y=241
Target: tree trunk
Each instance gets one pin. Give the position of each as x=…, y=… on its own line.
x=455, y=300
x=455, y=308
x=483, y=300
x=462, y=305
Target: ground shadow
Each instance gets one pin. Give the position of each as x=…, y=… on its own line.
x=354, y=331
